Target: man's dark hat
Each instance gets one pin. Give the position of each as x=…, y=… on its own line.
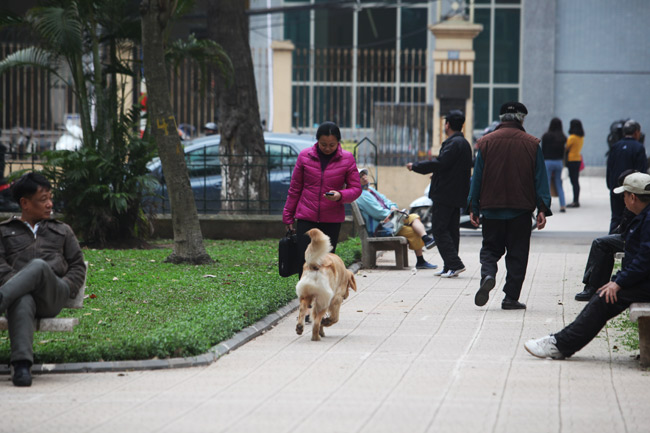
x=455, y=115
x=513, y=107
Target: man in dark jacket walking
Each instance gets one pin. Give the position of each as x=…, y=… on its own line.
x=508, y=183
x=448, y=191
x=41, y=266
x=630, y=284
x=627, y=154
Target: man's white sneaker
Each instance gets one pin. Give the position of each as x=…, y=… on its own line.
x=544, y=347
x=452, y=273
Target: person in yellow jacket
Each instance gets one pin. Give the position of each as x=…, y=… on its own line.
x=574, y=158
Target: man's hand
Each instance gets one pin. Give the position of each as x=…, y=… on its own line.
x=541, y=220
x=474, y=219
x=609, y=291
x=409, y=166
x=290, y=227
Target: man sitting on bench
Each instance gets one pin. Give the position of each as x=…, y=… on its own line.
x=376, y=207
x=600, y=262
x=41, y=266
x=630, y=284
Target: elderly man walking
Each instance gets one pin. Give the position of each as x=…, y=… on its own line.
x=508, y=184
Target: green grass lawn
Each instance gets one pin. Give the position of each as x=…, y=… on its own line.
x=138, y=307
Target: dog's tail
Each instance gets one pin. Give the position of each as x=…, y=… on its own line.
x=352, y=284
x=318, y=249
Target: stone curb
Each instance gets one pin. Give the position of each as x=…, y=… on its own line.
x=240, y=338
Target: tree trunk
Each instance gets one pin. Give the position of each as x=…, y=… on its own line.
x=243, y=157
x=188, y=240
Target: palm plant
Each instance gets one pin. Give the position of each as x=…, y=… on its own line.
x=101, y=186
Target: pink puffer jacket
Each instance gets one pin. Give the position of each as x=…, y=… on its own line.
x=305, y=200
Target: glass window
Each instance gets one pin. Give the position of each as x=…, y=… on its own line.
x=203, y=162
x=508, y=1
x=414, y=28
x=501, y=96
x=377, y=28
x=506, y=42
x=332, y=28
x=481, y=114
x=296, y=28
x=274, y=153
x=482, y=47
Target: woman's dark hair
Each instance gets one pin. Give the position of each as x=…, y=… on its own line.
x=575, y=128
x=555, y=125
x=555, y=129
x=28, y=184
x=328, y=128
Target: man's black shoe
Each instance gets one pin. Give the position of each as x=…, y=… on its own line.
x=586, y=294
x=21, y=375
x=512, y=304
x=483, y=294
x=573, y=205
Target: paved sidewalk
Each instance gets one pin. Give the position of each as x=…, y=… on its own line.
x=412, y=353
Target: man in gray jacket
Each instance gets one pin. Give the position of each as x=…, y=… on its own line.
x=41, y=266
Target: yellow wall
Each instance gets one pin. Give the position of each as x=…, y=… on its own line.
x=399, y=184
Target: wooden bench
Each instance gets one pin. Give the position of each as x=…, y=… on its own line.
x=371, y=245
x=56, y=324
x=640, y=312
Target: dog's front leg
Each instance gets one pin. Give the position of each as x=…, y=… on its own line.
x=304, y=309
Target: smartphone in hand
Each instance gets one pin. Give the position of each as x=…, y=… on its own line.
x=329, y=193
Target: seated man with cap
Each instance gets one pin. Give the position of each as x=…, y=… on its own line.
x=376, y=207
x=630, y=284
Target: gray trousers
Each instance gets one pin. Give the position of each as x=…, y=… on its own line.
x=34, y=292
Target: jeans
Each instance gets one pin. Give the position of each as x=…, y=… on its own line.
x=574, y=175
x=593, y=317
x=554, y=172
x=601, y=260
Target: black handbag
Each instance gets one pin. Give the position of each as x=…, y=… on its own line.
x=288, y=260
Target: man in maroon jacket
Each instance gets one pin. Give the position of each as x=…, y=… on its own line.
x=508, y=184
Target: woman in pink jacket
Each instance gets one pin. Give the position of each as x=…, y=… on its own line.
x=324, y=178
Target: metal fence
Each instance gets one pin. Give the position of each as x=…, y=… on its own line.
x=344, y=85
x=354, y=88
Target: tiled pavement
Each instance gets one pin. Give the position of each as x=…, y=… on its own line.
x=412, y=353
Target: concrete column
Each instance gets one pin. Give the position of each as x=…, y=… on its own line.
x=453, y=55
x=282, y=73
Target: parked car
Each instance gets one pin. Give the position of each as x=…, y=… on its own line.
x=203, y=164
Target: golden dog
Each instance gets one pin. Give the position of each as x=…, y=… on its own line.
x=324, y=284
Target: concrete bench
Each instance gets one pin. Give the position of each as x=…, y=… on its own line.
x=640, y=312
x=371, y=245
x=56, y=324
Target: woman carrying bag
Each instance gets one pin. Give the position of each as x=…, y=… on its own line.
x=324, y=178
